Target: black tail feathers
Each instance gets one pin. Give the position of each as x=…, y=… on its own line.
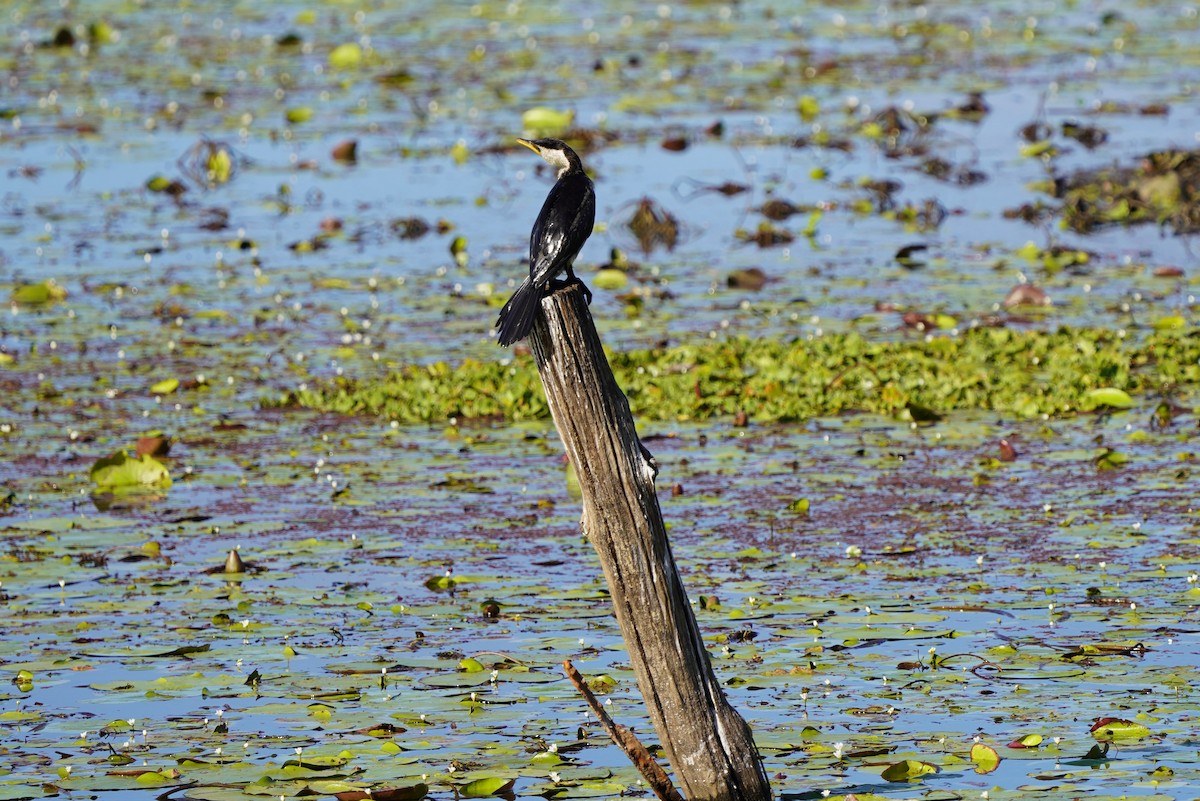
x=518, y=315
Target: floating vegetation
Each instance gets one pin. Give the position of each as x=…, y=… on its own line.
x=653, y=226
x=1023, y=373
x=210, y=163
x=1163, y=188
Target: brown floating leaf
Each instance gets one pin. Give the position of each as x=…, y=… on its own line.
x=157, y=445
x=752, y=278
x=1089, y=136
x=921, y=322
x=409, y=227
x=346, y=151
x=974, y=109
x=1026, y=295
x=1036, y=132
x=653, y=225
x=675, y=144
x=729, y=188
x=381, y=730
x=766, y=235
x=777, y=210
x=904, y=256
x=1167, y=271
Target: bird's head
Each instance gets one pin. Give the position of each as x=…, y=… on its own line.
x=556, y=152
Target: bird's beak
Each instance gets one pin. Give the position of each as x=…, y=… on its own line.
x=530, y=145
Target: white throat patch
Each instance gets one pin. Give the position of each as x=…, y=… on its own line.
x=557, y=159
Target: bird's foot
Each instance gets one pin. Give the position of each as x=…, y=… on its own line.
x=556, y=285
x=587, y=293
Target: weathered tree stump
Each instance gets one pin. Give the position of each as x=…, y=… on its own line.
x=706, y=741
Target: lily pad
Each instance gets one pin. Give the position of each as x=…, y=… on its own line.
x=122, y=471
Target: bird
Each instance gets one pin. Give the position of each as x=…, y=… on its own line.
x=563, y=225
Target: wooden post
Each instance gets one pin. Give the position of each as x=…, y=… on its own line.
x=706, y=741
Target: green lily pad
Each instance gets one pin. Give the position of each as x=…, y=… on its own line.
x=542, y=121
x=985, y=758
x=122, y=471
x=1106, y=396
x=908, y=770
x=1113, y=729
x=346, y=56
x=482, y=788
x=43, y=292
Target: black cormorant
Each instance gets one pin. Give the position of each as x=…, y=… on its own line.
x=562, y=227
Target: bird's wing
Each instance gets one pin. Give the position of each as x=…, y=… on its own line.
x=564, y=224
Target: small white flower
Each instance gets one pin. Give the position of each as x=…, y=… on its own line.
x=838, y=750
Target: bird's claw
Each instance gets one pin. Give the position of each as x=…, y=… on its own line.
x=574, y=279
